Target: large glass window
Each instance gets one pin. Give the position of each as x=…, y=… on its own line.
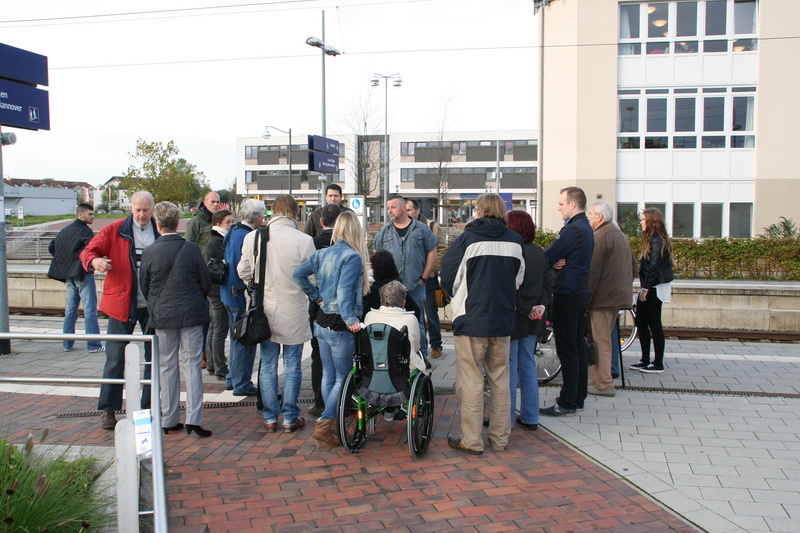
x=625, y=211
x=744, y=16
x=629, y=21
x=687, y=19
x=743, y=113
x=658, y=19
x=685, y=114
x=683, y=220
x=716, y=16
x=739, y=224
x=713, y=113
x=711, y=221
x=656, y=114
x=628, y=115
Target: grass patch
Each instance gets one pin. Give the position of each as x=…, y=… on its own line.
x=41, y=493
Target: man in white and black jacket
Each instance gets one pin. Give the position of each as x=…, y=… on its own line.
x=482, y=271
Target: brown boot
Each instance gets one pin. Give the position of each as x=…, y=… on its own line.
x=322, y=434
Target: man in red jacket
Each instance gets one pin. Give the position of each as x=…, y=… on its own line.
x=117, y=252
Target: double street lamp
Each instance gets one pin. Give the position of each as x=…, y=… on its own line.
x=397, y=81
x=267, y=134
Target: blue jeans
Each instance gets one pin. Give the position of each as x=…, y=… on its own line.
x=111, y=395
x=336, y=349
x=419, y=297
x=522, y=365
x=241, y=360
x=268, y=381
x=77, y=290
x=616, y=354
x=432, y=313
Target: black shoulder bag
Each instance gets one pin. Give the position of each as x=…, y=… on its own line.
x=252, y=327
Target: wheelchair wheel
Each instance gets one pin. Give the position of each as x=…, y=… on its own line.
x=627, y=328
x=420, y=415
x=352, y=425
x=548, y=366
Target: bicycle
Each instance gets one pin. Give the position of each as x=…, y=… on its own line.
x=548, y=365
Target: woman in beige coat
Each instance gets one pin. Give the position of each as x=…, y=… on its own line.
x=286, y=307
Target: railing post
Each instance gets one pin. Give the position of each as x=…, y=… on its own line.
x=132, y=377
x=127, y=476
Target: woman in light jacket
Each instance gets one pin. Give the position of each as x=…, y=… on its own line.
x=655, y=275
x=341, y=283
x=286, y=309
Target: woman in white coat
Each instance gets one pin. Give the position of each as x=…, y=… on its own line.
x=286, y=307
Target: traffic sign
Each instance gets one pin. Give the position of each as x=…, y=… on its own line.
x=22, y=106
x=23, y=66
x=323, y=144
x=322, y=162
x=356, y=204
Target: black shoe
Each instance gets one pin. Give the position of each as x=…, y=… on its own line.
x=316, y=411
x=454, y=441
x=176, y=427
x=652, y=369
x=638, y=365
x=486, y=422
x=557, y=410
x=251, y=392
x=614, y=375
x=108, y=419
x=529, y=427
x=197, y=429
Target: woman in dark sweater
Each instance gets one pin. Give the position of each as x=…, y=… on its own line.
x=218, y=330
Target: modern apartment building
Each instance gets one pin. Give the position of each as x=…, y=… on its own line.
x=683, y=105
x=444, y=171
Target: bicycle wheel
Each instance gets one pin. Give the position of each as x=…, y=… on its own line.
x=627, y=328
x=547, y=364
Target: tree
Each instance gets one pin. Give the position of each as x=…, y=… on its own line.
x=785, y=229
x=110, y=197
x=438, y=179
x=157, y=169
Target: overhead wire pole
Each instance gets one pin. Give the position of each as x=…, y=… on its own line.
x=397, y=82
x=5, y=344
x=540, y=6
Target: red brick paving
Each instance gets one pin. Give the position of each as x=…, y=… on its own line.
x=243, y=479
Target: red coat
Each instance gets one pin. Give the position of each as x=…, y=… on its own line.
x=115, y=241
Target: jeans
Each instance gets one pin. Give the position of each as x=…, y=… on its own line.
x=432, y=313
x=569, y=329
x=522, y=366
x=419, y=297
x=336, y=349
x=268, y=381
x=81, y=290
x=616, y=354
x=111, y=395
x=240, y=362
x=217, y=331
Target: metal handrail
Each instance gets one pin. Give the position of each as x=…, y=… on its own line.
x=159, y=485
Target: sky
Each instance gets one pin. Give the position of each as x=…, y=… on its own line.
x=204, y=72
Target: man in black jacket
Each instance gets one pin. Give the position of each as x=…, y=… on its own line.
x=482, y=270
x=66, y=267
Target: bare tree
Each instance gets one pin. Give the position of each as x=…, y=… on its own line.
x=360, y=117
x=438, y=177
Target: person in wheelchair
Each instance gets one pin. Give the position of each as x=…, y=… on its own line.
x=392, y=312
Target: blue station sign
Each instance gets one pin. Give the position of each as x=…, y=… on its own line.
x=323, y=144
x=22, y=106
x=23, y=66
x=322, y=162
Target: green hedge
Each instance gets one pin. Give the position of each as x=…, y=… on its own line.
x=752, y=259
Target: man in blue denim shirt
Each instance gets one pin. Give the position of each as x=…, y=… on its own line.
x=413, y=247
x=241, y=359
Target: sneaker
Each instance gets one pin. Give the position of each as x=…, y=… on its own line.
x=557, y=410
x=594, y=391
x=96, y=350
x=67, y=349
x=639, y=365
x=652, y=369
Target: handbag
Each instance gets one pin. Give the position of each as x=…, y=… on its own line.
x=253, y=327
x=146, y=329
x=217, y=268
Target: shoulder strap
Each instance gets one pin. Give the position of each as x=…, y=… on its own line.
x=260, y=242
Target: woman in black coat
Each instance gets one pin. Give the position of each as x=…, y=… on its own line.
x=655, y=275
x=384, y=270
x=175, y=282
x=218, y=330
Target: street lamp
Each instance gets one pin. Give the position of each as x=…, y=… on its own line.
x=397, y=81
x=267, y=135
x=326, y=51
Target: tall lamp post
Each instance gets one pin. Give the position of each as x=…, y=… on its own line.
x=267, y=135
x=326, y=51
x=5, y=345
x=397, y=81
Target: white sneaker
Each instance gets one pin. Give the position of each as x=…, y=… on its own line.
x=100, y=349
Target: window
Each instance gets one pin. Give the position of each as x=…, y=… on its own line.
x=656, y=142
x=683, y=220
x=629, y=21
x=684, y=142
x=744, y=16
x=743, y=113
x=713, y=113
x=407, y=174
x=251, y=152
x=713, y=141
x=459, y=148
x=628, y=143
x=715, y=46
x=687, y=19
x=656, y=114
x=630, y=49
x=657, y=19
x=684, y=114
x=624, y=211
x=711, y=221
x=629, y=115
x=716, y=16
x=739, y=224
x=687, y=47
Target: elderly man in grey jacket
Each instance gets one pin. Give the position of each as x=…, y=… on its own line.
x=611, y=275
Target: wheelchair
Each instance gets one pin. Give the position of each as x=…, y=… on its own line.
x=381, y=379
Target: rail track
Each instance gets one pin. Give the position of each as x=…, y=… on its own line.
x=676, y=333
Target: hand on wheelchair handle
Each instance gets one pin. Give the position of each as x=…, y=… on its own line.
x=356, y=327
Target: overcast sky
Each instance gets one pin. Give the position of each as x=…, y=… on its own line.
x=165, y=70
